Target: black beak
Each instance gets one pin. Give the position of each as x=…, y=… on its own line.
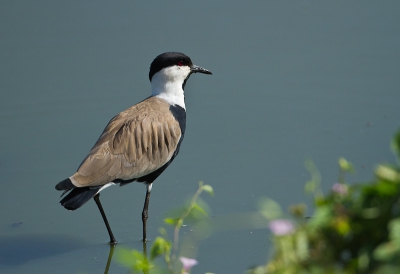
x=195, y=69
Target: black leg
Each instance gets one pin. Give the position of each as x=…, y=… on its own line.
x=97, y=200
x=145, y=214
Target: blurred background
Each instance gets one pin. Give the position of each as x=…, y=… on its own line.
x=291, y=81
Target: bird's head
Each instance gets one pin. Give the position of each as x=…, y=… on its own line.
x=173, y=67
x=168, y=75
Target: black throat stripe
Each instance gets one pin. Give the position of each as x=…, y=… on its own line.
x=179, y=114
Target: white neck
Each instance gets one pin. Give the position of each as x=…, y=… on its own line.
x=167, y=84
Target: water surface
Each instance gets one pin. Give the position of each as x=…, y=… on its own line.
x=291, y=81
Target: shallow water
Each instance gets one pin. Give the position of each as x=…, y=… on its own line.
x=290, y=82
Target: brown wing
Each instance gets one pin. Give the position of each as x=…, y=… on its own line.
x=135, y=143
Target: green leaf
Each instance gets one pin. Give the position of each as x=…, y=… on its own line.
x=345, y=165
x=160, y=247
x=387, y=268
x=199, y=209
x=321, y=218
x=302, y=245
x=171, y=221
x=363, y=260
x=163, y=232
x=124, y=256
x=394, y=230
x=208, y=189
x=141, y=262
x=386, y=251
x=136, y=260
x=198, y=212
x=298, y=210
x=386, y=188
x=370, y=213
x=270, y=209
x=387, y=173
x=396, y=145
x=312, y=185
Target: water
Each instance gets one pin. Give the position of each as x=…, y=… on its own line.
x=291, y=81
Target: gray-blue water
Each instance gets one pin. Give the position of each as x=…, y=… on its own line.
x=291, y=81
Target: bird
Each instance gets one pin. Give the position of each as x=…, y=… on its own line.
x=139, y=143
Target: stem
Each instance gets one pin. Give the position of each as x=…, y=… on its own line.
x=180, y=221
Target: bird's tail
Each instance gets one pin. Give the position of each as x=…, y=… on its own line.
x=77, y=196
x=65, y=185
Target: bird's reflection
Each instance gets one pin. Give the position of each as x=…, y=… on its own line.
x=145, y=255
x=111, y=253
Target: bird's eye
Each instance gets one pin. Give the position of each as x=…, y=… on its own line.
x=180, y=63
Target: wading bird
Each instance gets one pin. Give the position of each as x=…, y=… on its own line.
x=139, y=143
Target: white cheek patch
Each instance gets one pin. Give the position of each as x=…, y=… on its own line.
x=167, y=84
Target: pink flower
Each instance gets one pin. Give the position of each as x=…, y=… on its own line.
x=187, y=263
x=281, y=227
x=340, y=188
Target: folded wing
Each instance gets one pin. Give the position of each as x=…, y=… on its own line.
x=136, y=142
